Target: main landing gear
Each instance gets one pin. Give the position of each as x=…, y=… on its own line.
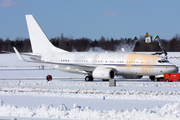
x=152, y=78
x=88, y=78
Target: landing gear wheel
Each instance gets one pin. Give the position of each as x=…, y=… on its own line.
x=167, y=80
x=157, y=80
x=88, y=78
x=152, y=78
x=105, y=79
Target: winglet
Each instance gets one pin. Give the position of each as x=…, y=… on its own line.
x=18, y=55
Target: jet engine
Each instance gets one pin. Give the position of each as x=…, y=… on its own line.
x=132, y=76
x=103, y=73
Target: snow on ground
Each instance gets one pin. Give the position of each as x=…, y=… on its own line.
x=168, y=111
x=31, y=98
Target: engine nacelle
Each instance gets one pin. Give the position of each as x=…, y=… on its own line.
x=103, y=73
x=132, y=76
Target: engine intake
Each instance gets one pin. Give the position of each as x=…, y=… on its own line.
x=103, y=73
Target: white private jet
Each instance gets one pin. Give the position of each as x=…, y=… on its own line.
x=95, y=65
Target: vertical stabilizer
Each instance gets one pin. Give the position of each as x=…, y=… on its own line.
x=39, y=41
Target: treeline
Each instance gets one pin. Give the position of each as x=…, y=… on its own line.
x=85, y=44
x=172, y=45
x=23, y=45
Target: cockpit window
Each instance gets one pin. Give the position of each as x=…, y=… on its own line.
x=163, y=61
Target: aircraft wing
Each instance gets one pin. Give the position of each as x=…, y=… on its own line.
x=36, y=59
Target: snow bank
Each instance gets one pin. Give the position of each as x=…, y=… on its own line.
x=93, y=84
x=92, y=93
x=168, y=111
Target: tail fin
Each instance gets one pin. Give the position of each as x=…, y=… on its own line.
x=39, y=41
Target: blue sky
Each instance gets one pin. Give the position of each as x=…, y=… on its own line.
x=91, y=18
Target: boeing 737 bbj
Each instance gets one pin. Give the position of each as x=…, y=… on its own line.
x=95, y=65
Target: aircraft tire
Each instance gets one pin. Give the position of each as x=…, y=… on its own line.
x=152, y=78
x=105, y=79
x=88, y=78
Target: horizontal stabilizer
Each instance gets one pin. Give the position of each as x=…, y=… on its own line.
x=18, y=54
x=22, y=59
